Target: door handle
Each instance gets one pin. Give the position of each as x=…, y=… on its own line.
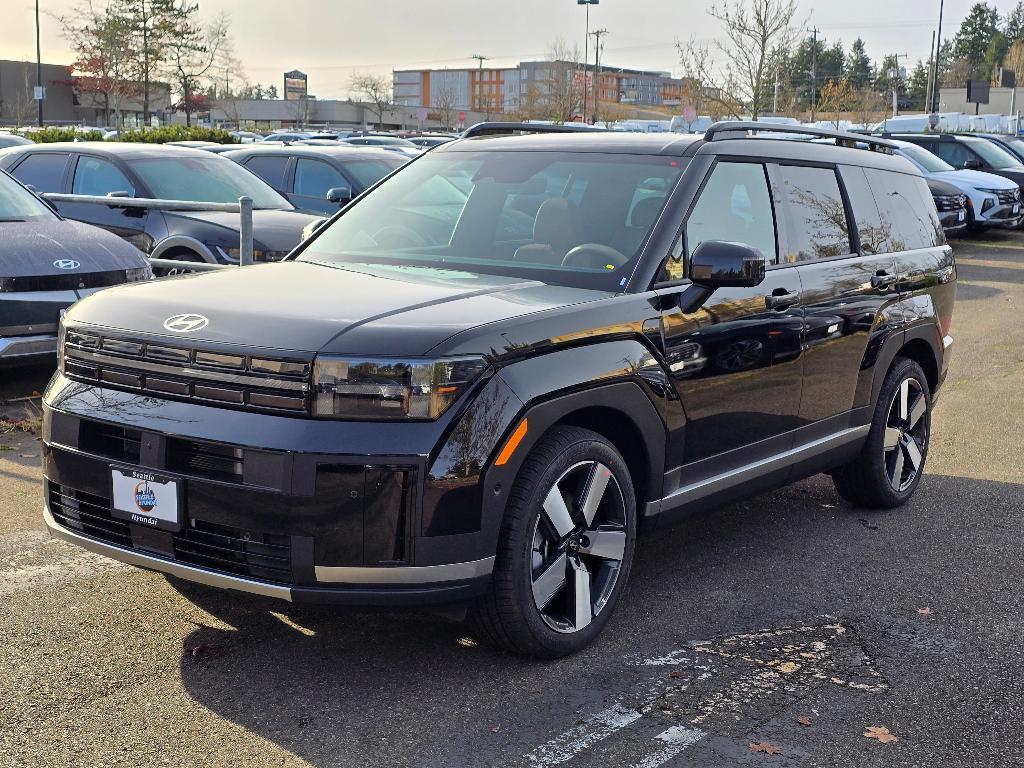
x=781, y=298
x=882, y=279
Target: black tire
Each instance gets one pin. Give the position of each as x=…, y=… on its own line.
x=871, y=479
x=180, y=254
x=508, y=615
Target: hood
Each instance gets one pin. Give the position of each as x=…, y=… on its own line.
x=31, y=248
x=969, y=178
x=274, y=230
x=305, y=307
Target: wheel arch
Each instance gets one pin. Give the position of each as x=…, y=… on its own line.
x=182, y=242
x=921, y=343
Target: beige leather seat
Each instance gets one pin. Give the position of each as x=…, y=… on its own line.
x=555, y=230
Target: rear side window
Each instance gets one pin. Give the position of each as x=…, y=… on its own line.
x=44, y=171
x=874, y=236
x=270, y=169
x=735, y=205
x=906, y=209
x=94, y=176
x=815, y=214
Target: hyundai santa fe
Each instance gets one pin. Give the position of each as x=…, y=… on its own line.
x=481, y=379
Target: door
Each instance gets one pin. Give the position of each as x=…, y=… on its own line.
x=97, y=176
x=735, y=362
x=313, y=179
x=43, y=171
x=849, y=279
x=271, y=168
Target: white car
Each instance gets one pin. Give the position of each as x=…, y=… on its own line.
x=992, y=201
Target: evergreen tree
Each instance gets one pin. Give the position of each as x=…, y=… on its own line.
x=917, y=86
x=858, y=65
x=997, y=48
x=974, y=37
x=1014, y=26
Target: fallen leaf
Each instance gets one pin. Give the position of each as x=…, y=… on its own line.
x=881, y=733
x=788, y=667
x=869, y=525
x=804, y=720
x=767, y=748
x=495, y=728
x=205, y=650
x=926, y=611
x=676, y=674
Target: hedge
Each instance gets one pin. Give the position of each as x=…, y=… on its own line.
x=168, y=133
x=50, y=135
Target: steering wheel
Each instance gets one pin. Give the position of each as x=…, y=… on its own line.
x=594, y=256
x=399, y=236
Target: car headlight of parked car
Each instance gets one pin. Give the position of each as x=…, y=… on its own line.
x=365, y=388
x=258, y=254
x=138, y=274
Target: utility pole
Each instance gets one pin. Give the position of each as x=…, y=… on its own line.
x=814, y=74
x=894, y=78
x=598, y=34
x=479, y=79
x=928, y=88
x=39, y=71
x=934, y=106
x=586, y=41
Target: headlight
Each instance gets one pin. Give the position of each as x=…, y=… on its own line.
x=235, y=254
x=366, y=388
x=138, y=274
x=995, y=192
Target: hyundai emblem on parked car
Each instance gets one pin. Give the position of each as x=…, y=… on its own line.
x=66, y=264
x=185, y=323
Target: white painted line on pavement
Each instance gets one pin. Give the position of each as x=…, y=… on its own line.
x=677, y=738
x=570, y=743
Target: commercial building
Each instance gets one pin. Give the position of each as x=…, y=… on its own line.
x=505, y=89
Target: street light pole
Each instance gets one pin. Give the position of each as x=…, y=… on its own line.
x=934, y=106
x=586, y=40
x=39, y=71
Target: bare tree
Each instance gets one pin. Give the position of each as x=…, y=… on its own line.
x=753, y=30
x=192, y=51
x=560, y=86
x=530, y=102
x=377, y=90
x=446, y=105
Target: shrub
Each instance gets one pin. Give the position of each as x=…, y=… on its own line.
x=168, y=133
x=50, y=135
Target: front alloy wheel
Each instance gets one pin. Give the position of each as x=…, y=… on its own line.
x=565, y=547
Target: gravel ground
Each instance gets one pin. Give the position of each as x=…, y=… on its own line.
x=790, y=621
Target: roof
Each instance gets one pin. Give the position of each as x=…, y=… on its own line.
x=118, y=148
x=580, y=141
x=914, y=137
x=343, y=152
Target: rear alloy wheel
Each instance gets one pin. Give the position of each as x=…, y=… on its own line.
x=891, y=463
x=565, y=547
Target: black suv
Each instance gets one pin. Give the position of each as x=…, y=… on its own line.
x=485, y=375
x=970, y=153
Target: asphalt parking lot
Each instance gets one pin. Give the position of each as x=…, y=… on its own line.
x=772, y=632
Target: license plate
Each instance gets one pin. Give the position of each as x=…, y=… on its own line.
x=963, y=215
x=145, y=498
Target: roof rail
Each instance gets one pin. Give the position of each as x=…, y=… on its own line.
x=509, y=128
x=736, y=129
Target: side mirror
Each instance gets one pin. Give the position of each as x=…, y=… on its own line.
x=720, y=264
x=972, y=165
x=339, y=194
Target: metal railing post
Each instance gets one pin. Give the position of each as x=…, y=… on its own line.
x=245, y=231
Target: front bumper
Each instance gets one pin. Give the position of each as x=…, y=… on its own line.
x=18, y=350
x=1001, y=216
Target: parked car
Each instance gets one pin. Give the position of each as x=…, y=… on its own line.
x=951, y=205
x=46, y=265
x=477, y=384
x=429, y=142
x=166, y=173
x=318, y=179
x=992, y=201
x=13, y=140
x=287, y=136
x=390, y=143
x=1012, y=144
x=969, y=153
x=247, y=137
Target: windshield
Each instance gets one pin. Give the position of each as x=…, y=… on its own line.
x=574, y=219
x=206, y=179
x=18, y=204
x=924, y=159
x=995, y=156
x=369, y=172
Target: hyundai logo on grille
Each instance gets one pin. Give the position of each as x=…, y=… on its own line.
x=66, y=264
x=185, y=323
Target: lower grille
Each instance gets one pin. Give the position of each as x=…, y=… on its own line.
x=950, y=202
x=263, y=556
x=1008, y=196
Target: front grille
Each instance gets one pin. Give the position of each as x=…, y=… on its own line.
x=110, y=441
x=228, y=380
x=66, y=282
x=208, y=460
x=256, y=555
x=945, y=203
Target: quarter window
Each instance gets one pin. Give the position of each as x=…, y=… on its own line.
x=816, y=222
x=873, y=233
x=44, y=171
x=906, y=209
x=735, y=205
x=94, y=176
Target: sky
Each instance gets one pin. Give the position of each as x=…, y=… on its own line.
x=331, y=41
